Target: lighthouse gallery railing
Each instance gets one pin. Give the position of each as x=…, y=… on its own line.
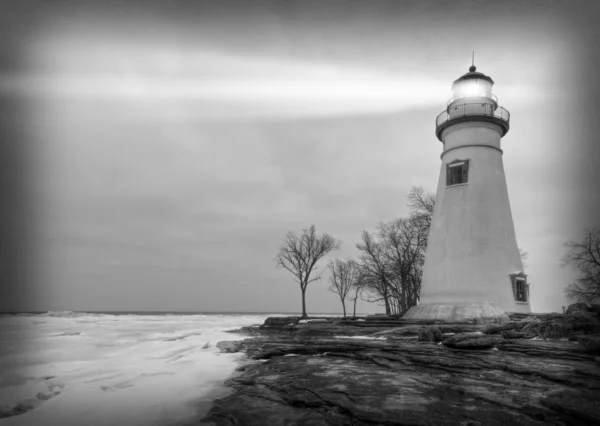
x=472, y=109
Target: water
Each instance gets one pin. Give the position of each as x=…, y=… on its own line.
x=106, y=369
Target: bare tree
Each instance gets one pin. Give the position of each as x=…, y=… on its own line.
x=585, y=257
x=299, y=254
x=405, y=241
x=391, y=261
x=342, y=278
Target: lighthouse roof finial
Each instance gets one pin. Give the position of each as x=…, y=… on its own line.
x=473, y=68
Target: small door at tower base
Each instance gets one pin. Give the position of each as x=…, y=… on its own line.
x=520, y=287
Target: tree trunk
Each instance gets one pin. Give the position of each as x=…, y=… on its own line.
x=344, y=305
x=386, y=298
x=402, y=307
x=354, y=312
x=303, y=302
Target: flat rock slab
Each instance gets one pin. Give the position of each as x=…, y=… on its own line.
x=317, y=379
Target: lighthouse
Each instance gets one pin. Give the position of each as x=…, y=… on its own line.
x=473, y=268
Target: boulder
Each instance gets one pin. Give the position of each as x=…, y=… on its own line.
x=497, y=328
x=590, y=341
x=460, y=328
x=281, y=321
x=471, y=341
x=230, y=346
x=583, y=307
x=512, y=334
x=529, y=325
x=430, y=334
x=588, y=315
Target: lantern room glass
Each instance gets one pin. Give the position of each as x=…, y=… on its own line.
x=472, y=88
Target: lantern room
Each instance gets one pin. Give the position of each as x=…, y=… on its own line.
x=474, y=86
x=472, y=101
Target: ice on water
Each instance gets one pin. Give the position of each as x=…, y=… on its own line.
x=96, y=369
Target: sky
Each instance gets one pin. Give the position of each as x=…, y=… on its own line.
x=157, y=153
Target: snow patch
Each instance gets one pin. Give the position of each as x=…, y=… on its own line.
x=360, y=337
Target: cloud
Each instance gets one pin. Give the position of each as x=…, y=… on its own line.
x=195, y=82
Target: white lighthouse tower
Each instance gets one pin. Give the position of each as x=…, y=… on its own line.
x=473, y=267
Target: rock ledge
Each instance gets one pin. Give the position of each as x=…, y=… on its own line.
x=389, y=371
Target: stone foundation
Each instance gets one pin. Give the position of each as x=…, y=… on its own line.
x=479, y=312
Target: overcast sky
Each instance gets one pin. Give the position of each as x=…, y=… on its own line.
x=172, y=145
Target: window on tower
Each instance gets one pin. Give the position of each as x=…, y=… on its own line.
x=457, y=172
x=521, y=290
x=520, y=287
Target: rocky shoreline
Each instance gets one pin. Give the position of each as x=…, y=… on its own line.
x=538, y=369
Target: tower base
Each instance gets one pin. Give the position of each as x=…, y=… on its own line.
x=478, y=312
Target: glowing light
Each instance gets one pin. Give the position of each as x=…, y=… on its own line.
x=473, y=89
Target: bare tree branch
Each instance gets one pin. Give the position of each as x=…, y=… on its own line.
x=585, y=258
x=524, y=256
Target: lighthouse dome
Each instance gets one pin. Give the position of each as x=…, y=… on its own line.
x=474, y=74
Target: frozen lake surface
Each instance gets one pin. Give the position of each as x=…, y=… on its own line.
x=99, y=369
